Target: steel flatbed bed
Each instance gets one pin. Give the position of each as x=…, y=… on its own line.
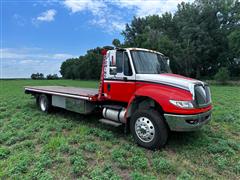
x=89, y=94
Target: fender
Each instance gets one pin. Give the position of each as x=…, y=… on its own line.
x=162, y=94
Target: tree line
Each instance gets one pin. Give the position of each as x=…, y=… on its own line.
x=40, y=76
x=84, y=67
x=199, y=38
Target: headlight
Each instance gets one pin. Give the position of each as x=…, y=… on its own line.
x=182, y=104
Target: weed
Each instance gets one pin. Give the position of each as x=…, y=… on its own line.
x=56, y=143
x=237, y=168
x=44, y=136
x=134, y=157
x=221, y=147
x=221, y=162
x=45, y=161
x=119, y=156
x=185, y=176
x=75, y=139
x=163, y=165
x=105, y=173
x=27, y=144
x=20, y=163
x=139, y=176
x=139, y=162
x=46, y=176
x=20, y=136
x=90, y=147
x=64, y=148
x=4, y=152
x=103, y=134
x=78, y=163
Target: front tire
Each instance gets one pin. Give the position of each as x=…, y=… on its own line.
x=149, y=129
x=44, y=103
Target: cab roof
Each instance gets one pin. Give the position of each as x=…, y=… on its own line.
x=140, y=49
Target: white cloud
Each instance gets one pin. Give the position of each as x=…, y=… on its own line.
x=47, y=15
x=62, y=56
x=32, y=53
x=23, y=62
x=118, y=25
x=149, y=7
x=94, y=6
x=109, y=14
x=108, y=25
x=28, y=61
x=102, y=13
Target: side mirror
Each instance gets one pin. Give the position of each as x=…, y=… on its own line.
x=113, y=70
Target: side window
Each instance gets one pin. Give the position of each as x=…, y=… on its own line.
x=121, y=65
x=127, y=67
x=119, y=61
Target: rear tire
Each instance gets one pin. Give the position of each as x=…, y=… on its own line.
x=149, y=129
x=44, y=103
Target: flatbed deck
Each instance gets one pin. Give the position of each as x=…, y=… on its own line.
x=74, y=92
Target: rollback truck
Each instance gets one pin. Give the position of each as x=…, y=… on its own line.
x=137, y=91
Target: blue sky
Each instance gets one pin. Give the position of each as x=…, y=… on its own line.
x=37, y=36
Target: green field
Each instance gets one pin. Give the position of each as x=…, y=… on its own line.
x=65, y=145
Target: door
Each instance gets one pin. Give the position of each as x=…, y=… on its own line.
x=119, y=85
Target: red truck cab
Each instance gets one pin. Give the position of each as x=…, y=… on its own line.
x=141, y=77
x=138, y=90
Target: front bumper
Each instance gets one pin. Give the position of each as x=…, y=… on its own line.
x=187, y=122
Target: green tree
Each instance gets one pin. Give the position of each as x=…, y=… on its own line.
x=37, y=76
x=222, y=75
x=196, y=37
x=199, y=38
x=116, y=43
x=234, y=42
x=52, y=76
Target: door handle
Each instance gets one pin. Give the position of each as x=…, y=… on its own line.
x=108, y=87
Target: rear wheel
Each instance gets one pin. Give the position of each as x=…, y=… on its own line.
x=44, y=103
x=149, y=129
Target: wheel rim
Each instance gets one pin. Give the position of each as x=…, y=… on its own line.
x=144, y=129
x=43, y=104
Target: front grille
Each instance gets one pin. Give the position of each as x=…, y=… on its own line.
x=202, y=95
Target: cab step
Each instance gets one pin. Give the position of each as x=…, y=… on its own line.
x=110, y=122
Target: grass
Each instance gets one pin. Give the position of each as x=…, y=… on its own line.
x=65, y=145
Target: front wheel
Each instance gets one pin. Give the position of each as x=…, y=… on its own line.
x=149, y=129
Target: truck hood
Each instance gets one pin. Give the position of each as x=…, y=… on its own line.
x=171, y=80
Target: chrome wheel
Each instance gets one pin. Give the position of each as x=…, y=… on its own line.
x=144, y=129
x=43, y=104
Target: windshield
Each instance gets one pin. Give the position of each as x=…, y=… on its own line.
x=149, y=63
